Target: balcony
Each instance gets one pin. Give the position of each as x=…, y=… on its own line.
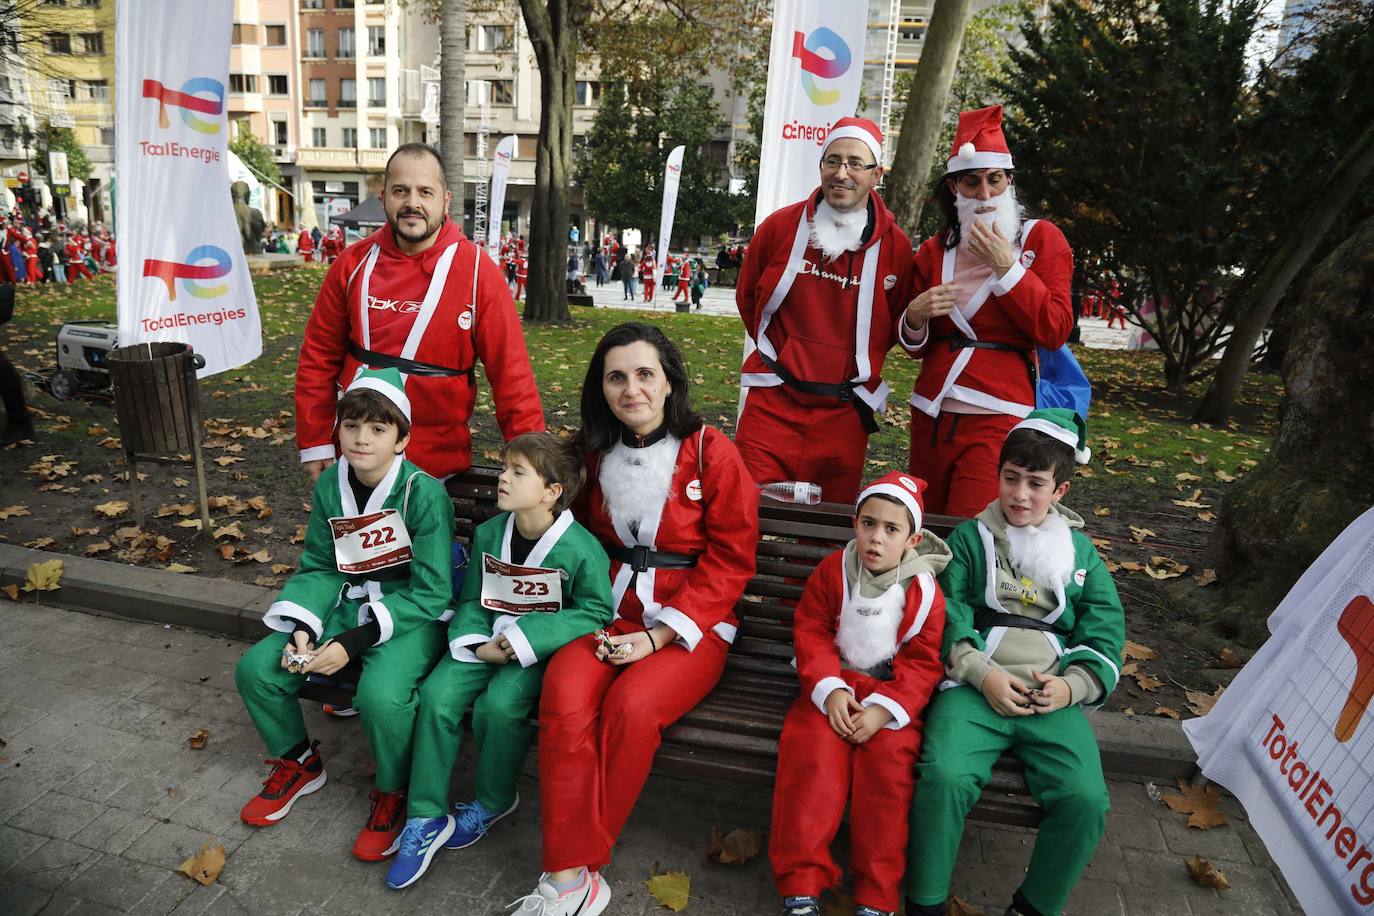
x=282, y=152
x=327, y=157
x=373, y=158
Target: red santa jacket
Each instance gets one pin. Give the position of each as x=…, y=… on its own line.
x=916, y=667
x=306, y=243
x=1028, y=308
x=470, y=317
x=711, y=512
x=75, y=255
x=823, y=321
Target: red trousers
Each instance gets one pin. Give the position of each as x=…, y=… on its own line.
x=682, y=291
x=77, y=269
x=780, y=439
x=648, y=288
x=956, y=454
x=818, y=771
x=32, y=271
x=599, y=726
x=520, y=289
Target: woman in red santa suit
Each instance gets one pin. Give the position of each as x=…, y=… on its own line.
x=992, y=287
x=678, y=512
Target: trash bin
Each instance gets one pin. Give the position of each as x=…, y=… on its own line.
x=157, y=405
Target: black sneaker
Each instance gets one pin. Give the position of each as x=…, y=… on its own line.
x=801, y=906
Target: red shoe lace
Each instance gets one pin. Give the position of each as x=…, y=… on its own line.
x=282, y=771
x=385, y=808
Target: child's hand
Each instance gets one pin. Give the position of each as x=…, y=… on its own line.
x=298, y=644
x=496, y=650
x=842, y=710
x=1007, y=695
x=328, y=660
x=869, y=722
x=1052, y=694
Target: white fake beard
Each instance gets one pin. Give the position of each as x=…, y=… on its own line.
x=1043, y=552
x=1007, y=216
x=635, y=481
x=834, y=232
x=867, y=634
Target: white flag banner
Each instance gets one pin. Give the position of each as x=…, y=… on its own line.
x=184, y=276
x=815, y=72
x=1293, y=736
x=496, y=197
x=672, y=177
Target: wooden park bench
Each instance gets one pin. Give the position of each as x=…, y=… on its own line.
x=733, y=734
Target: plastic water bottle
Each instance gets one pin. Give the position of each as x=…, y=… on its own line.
x=800, y=492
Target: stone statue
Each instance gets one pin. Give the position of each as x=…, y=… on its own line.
x=251, y=223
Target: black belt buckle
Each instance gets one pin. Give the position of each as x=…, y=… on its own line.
x=639, y=558
x=846, y=392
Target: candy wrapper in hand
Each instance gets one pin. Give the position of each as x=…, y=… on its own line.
x=612, y=650
x=295, y=663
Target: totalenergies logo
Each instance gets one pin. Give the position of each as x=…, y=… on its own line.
x=192, y=270
x=814, y=66
x=192, y=98
x=1356, y=626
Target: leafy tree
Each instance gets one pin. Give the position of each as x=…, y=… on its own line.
x=255, y=155
x=61, y=139
x=1131, y=138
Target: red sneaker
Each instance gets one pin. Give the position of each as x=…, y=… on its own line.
x=288, y=781
x=382, y=835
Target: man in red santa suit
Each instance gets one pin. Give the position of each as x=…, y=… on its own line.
x=992, y=287
x=31, y=269
x=522, y=274
x=76, y=259
x=305, y=245
x=419, y=296
x=821, y=291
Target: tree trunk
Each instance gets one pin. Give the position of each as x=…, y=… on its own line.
x=1279, y=518
x=925, y=111
x=553, y=26
x=1297, y=247
x=453, y=100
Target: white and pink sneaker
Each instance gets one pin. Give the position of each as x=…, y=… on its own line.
x=589, y=898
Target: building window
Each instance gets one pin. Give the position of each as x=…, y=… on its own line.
x=97, y=90
x=93, y=43
x=343, y=4
x=277, y=84
x=312, y=4
x=89, y=4
x=317, y=99
x=107, y=136
x=58, y=42
x=314, y=42
x=503, y=92
x=243, y=82
x=376, y=40
x=350, y=136
x=279, y=135
x=274, y=36
x=348, y=92
x=61, y=90
x=244, y=34
x=346, y=43
x=376, y=91
x=377, y=136
x=494, y=37
x=588, y=92
x=318, y=137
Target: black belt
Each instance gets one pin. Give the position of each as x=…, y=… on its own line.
x=842, y=392
x=408, y=366
x=988, y=619
x=641, y=558
x=958, y=341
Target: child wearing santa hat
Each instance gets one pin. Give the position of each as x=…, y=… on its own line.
x=1034, y=635
x=867, y=635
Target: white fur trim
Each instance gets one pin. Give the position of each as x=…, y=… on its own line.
x=906, y=497
x=1004, y=284
x=826, y=686
x=855, y=132
x=393, y=394
x=1043, y=552
x=461, y=647
x=977, y=160
x=688, y=633
x=635, y=481
x=928, y=590
x=900, y=719
x=1055, y=431
x=728, y=632
x=834, y=232
x=524, y=652
x=282, y=616
x=319, y=453
x=866, y=640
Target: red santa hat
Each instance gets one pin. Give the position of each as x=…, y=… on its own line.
x=978, y=141
x=901, y=486
x=857, y=129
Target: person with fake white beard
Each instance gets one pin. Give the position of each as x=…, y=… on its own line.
x=992, y=287
x=674, y=506
x=867, y=635
x=821, y=291
x=1034, y=633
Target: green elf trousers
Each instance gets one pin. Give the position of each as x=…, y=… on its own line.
x=964, y=736
x=388, y=694
x=502, y=698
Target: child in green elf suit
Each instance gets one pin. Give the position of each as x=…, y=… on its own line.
x=374, y=582
x=538, y=580
x=1034, y=633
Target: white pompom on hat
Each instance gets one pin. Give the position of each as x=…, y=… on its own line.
x=901, y=486
x=979, y=142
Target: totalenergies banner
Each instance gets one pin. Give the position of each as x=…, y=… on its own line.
x=183, y=273
x=672, y=177
x=815, y=70
x=1293, y=736
x=496, y=196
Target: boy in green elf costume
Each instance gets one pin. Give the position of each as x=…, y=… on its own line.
x=538, y=581
x=374, y=583
x=1034, y=634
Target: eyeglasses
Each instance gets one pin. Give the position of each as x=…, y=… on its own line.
x=832, y=164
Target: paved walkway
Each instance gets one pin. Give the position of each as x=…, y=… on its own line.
x=101, y=800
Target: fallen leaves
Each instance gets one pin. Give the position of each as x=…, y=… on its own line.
x=1140, y=534
x=735, y=847
x=1202, y=804
x=82, y=532
x=197, y=740
x=1168, y=711
x=44, y=577
x=231, y=530
x=1227, y=658
x=1147, y=681
x=1201, y=703
x=40, y=543
x=225, y=460
x=1140, y=652
x=175, y=509
x=671, y=890
x=205, y=866
x=299, y=536
x=1207, y=577
x=12, y=591
x=1192, y=502
x=180, y=568
x=98, y=547
x=1207, y=874
x=115, y=508
x=13, y=512
x=1101, y=511
x=1165, y=568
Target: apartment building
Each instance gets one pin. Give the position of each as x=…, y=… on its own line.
x=262, y=96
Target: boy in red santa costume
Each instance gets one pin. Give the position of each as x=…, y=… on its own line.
x=992, y=287
x=867, y=635
x=820, y=292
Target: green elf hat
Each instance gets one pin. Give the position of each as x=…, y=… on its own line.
x=386, y=382
x=1062, y=424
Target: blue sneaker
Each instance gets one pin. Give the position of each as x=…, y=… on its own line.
x=801, y=906
x=419, y=842
x=472, y=823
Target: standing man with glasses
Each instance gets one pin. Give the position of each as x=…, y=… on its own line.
x=821, y=290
